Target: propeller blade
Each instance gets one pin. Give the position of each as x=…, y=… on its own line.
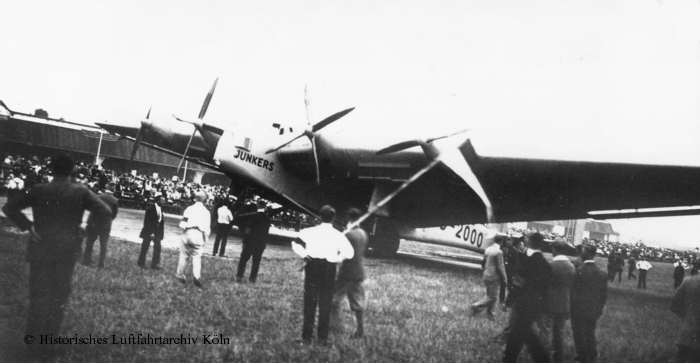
x=307, y=103
x=318, y=172
x=454, y=160
x=330, y=119
x=136, y=144
x=139, y=135
x=285, y=144
x=391, y=196
x=184, y=156
x=207, y=99
x=445, y=136
x=398, y=147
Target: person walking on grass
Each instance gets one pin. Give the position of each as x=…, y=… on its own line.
x=686, y=305
x=643, y=266
x=558, y=298
x=631, y=267
x=195, y=223
x=678, y=274
x=529, y=303
x=494, y=275
x=321, y=247
x=351, y=275
x=54, y=246
x=94, y=230
x=589, y=294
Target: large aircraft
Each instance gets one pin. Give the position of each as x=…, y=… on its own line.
x=411, y=186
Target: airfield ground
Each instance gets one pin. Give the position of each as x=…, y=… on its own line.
x=417, y=312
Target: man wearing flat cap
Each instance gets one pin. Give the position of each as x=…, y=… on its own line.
x=195, y=223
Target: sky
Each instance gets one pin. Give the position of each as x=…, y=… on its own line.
x=623, y=73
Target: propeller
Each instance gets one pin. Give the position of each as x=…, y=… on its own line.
x=310, y=131
x=145, y=125
x=197, y=124
x=451, y=157
x=411, y=143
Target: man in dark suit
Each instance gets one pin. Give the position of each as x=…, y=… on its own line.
x=153, y=229
x=529, y=302
x=588, y=296
x=256, y=227
x=678, y=274
x=94, y=230
x=54, y=247
x=558, y=298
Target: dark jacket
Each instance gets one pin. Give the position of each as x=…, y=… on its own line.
x=353, y=269
x=531, y=297
x=558, y=295
x=112, y=203
x=679, y=272
x=57, y=209
x=151, y=226
x=589, y=292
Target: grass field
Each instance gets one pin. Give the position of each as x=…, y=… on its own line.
x=417, y=312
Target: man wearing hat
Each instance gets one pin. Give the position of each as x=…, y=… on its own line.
x=195, y=223
x=589, y=293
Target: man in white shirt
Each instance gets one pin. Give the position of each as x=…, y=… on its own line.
x=321, y=247
x=195, y=223
x=643, y=266
x=224, y=219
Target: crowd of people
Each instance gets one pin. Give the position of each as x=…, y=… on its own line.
x=57, y=232
x=606, y=248
x=18, y=174
x=539, y=295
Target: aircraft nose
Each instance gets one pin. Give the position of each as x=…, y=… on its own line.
x=122, y=130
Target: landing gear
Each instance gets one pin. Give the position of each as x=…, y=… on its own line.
x=384, y=240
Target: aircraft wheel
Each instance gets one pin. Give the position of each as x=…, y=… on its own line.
x=385, y=241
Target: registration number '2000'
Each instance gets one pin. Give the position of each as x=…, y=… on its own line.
x=468, y=233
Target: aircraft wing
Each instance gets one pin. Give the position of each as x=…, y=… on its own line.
x=521, y=187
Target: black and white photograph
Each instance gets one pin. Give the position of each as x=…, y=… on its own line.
x=350, y=181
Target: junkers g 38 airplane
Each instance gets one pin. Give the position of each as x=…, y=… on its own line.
x=411, y=186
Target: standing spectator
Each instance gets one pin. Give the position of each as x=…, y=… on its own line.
x=620, y=268
x=678, y=274
x=615, y=266
x=643, y=266
x=256, y=229
x=686, y=304
x=494, y=274
x=529, y=302
x=589, y=293
x=321, y=247
x=510, y=261
x=558, y=298
x=694, y=270
x=94, y=230
x=351, y=275
x=153, y=229
x=14, y=187
x=54, y=246
x=631, y=267
x=224, y=219
x=195, y=223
